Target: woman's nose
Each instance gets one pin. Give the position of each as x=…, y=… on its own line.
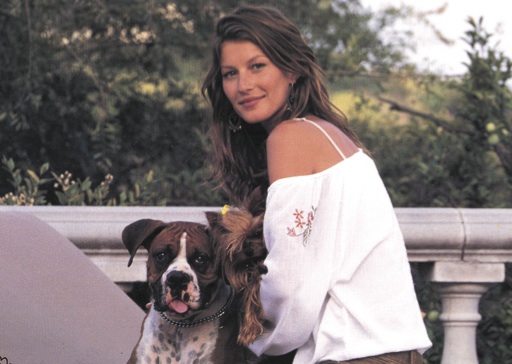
x=245, y=82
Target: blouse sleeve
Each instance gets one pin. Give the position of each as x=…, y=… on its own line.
x=299, y=265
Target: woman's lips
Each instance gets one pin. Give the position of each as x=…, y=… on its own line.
x=250, y=102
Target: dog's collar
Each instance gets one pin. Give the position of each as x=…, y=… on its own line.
x=217, y=315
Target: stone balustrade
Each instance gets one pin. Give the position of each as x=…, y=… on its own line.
x=463, y=251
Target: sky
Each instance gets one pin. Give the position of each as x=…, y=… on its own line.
x=445, y=59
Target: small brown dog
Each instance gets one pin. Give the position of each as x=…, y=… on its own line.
x=240, y=252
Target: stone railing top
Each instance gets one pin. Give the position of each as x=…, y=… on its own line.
x=431, y=234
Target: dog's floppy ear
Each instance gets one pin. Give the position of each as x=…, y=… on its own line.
x=214, y=218
x=140, y=232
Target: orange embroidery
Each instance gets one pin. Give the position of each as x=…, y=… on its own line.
x=303, y=225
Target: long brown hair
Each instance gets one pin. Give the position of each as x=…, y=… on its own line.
x=239, y=160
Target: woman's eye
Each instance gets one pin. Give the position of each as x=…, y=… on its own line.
x=228, y=74
x=258, y=66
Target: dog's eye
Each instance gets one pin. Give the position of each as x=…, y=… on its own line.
x=257, y=234
x=160, y=257
x=201, y=260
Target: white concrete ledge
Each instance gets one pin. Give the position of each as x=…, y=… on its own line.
x=440, y=234
x=467, y=272
x=488, y=235
x=431, y=234
x=91, y=227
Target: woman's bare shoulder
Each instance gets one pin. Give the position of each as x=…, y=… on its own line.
x=296, y=147
x=287, y=128
x=289, y=150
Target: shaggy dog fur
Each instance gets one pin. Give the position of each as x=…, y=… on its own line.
x=240, y=252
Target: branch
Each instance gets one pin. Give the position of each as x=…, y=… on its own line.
x=394, y=106
x=30, y=45
x=505, y=156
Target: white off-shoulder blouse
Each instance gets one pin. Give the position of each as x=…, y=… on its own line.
x=339, y=284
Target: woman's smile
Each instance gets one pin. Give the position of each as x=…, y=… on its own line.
x=250, y=102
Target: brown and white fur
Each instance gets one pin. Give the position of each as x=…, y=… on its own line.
x=240, y=253
x=186, y=289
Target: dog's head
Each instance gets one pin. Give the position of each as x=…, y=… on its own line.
x=240, y=252
x=181, y=266
x=238, y=239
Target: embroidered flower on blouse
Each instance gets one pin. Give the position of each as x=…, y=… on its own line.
x=303, y=226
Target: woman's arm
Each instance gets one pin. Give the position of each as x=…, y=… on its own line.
x=299, y=265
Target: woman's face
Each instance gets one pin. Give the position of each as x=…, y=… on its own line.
x=256, y=88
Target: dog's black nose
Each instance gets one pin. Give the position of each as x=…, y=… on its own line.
x=178, y=280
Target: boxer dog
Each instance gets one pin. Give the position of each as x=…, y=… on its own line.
x=192, y=315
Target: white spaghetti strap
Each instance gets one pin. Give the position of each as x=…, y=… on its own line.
x=327, y=135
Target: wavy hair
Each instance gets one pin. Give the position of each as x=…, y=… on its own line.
x=239, y=159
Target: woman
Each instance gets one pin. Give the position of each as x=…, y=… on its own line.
x=338, y=286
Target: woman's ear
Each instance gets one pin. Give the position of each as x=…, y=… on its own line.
x=293, y=78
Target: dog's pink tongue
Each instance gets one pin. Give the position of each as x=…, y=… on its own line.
x=178, y=306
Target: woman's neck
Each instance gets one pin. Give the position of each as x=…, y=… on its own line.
x=275, y=119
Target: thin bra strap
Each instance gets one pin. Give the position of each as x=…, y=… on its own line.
x=327, y=135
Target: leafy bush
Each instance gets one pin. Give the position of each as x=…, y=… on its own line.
x=31, y=188
x=27, y=185
x=495, y=330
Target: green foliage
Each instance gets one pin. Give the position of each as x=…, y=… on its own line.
x=27, y=185
x=453, y=147
x=31, y=189
x=96, y=89
x=430, y=303
x=80, y=193
x=487, y=109
x=495, y=329
x=143, y=193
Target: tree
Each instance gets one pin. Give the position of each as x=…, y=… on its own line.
x=96, y=88
x=111, y=87
x=478, y=133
